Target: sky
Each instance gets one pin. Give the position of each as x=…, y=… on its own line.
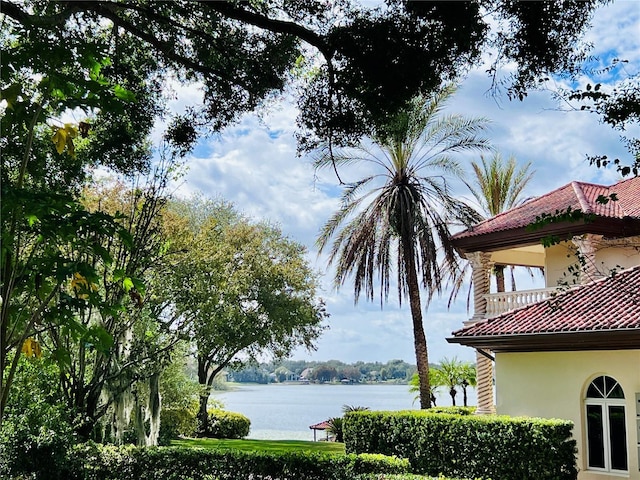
x=254, y=165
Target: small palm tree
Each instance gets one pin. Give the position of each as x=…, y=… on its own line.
x=434, y=383
x=468, y=374
x=354, y=408
x=398, y=213
x=335, y=428
x=450, y=371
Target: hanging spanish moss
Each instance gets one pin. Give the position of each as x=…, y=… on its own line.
x=119, y=392
x=153, y=409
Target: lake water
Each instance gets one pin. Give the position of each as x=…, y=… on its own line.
x=285, y=411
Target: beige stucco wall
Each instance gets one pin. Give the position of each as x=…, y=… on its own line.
x=559, y=257
x=557, y=262
x=615, y=257
x=552, y=385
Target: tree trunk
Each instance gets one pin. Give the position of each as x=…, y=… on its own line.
x=203, y=417
x=499, y=272
x=419, y=337
x=464, y=395
x=453, y=393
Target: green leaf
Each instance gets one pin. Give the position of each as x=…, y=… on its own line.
x=11, y=94
x=127, y=284
x=32, y=219
x=139, y=284
x=124, y=94
x=118, y=274
x=126, y=237
x=100, y=338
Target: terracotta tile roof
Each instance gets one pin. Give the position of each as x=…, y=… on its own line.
x=577, y=195
x=611, y=303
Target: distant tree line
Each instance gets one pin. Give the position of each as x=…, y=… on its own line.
x=324, y=372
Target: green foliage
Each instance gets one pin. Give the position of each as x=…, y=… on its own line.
x=467, y=445
x=497, y=184
x=251, y=292
x=129, y=463
x=335, y=428
x=453, y=410
x=368, y=63
x=177, y=422
x=223, y=424
x=36, y=432
x=384, y=476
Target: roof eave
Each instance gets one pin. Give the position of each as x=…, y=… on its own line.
x=503, y=239
x=620, y=339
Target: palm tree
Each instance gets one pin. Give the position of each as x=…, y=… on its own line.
x=468, y=374
x=451, y=374
x=398, y=213
x=435, y=381
x=497, y=187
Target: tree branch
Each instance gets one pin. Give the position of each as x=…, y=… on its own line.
x=12, y=10
x=230, y=10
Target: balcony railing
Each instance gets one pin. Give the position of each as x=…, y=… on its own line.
x=498, y=303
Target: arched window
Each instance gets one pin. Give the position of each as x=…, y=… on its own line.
x=606, y=426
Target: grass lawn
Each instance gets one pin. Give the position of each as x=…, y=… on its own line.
x=262, y=445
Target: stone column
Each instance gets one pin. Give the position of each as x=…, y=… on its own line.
x=481, y=265
x=587, y=247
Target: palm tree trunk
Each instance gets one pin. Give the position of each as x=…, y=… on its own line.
x=419, y=337
x=499, y=272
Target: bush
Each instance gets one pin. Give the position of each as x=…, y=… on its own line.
x=454, y=410
x=176, y=422
x=467, y=446
x=99, y=462
x=224, y=424
x=36, y=432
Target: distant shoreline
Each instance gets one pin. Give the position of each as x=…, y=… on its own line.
x=230, y=386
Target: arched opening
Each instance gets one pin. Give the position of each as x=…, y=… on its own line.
x=606, y=426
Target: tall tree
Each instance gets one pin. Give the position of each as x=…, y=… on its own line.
x=243, y=291
x=118, y=342
x=49, y=248
x=497, y=186
x=398, y=213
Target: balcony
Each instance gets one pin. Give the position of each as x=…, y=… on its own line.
x=498, y=303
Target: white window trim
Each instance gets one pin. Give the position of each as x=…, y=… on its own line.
x=604, y=403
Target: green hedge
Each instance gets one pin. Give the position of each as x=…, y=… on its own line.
x=488, y=447
x=454, y=410
x=99, y=462
x=223, y=424
x=406, y=476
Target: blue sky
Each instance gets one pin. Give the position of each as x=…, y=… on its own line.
x=254, y=165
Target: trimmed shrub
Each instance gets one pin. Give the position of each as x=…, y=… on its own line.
x=454, y=410
x=467, y=446
x=176, y=422
x=223, y=424
x=408, y=476
x=107, y=462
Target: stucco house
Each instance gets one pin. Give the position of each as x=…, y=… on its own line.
x=571, y=349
